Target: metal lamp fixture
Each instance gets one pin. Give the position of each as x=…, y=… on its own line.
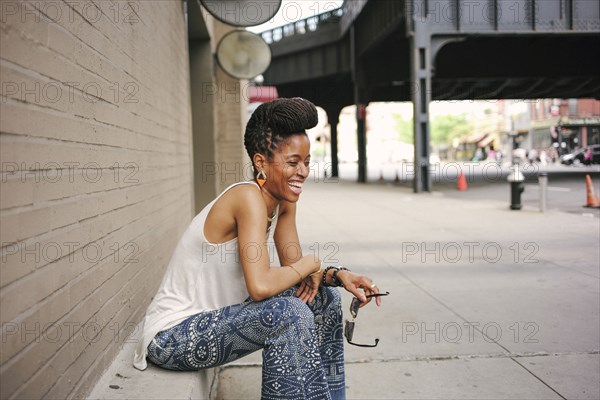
x=242, y=13
x=243, y=54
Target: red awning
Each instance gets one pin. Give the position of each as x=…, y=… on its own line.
x=261, y=94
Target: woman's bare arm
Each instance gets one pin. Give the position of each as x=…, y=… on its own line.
x=289, y=250
x=286, y=238
x=262, y=280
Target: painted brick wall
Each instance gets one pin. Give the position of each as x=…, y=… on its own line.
x=95, y=147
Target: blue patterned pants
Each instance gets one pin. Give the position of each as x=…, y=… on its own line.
x=303, y=347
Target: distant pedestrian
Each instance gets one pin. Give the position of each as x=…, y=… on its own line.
x=553, y=154
x=532, y=156
x=499, y=157
x=214, y=307
x=544, y=158
x=587, y=156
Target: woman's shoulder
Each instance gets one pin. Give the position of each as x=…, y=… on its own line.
x=244, y=187
x=242, y=193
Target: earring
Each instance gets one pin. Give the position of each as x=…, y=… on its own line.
x=261, y=178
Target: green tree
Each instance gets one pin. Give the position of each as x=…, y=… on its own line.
x=443, y=128
x=446, y=127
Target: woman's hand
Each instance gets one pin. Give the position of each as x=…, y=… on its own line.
x=309, y=288
x=354, y=283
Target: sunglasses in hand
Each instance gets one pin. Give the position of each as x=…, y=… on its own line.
x=349, y=325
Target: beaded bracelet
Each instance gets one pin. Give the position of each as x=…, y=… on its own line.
x=334, y=278
x=324, y=281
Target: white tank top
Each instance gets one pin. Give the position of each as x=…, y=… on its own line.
x=201, y=276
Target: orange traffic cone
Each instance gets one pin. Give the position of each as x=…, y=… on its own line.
x=462, y=182
x=592, y=199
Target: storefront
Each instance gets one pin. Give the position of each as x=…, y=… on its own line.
x=573, y=133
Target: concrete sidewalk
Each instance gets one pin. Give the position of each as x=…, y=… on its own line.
x=486, y=303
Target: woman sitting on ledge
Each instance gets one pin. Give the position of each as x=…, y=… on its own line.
x=214, y=307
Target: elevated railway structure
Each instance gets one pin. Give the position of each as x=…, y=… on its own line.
x=424, y=50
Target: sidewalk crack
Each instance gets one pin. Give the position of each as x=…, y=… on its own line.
x=538, y=378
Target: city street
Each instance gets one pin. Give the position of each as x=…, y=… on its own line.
x=564, y=193
x=485, y=303
x=566, y=190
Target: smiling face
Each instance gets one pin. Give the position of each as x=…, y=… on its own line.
x=288, y=169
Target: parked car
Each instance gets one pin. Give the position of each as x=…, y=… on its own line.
x=579, y=156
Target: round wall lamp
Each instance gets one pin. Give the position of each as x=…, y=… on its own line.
x=242, y=13
x=243, y=54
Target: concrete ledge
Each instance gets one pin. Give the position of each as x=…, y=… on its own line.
x=123, y=381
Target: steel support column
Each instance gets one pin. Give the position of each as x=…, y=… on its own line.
x=421, y=97
x=361, y=140
x=361, y=108
x=333, y=115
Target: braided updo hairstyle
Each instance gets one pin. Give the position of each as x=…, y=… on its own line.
x=274, y=122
